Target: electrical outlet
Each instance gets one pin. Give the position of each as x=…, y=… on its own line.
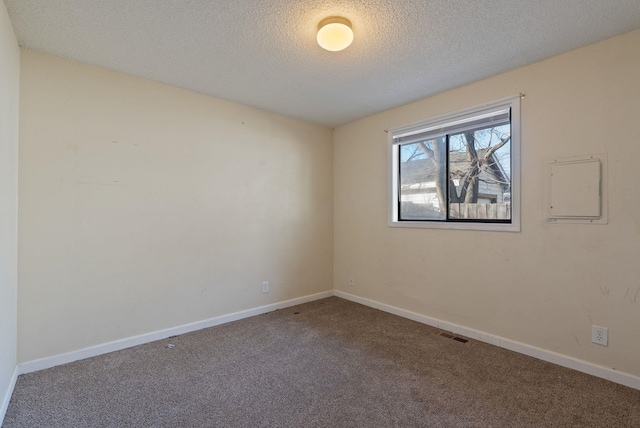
x=599, y=335
x=351, y=284
x=265, y=286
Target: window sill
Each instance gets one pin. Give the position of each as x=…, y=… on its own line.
x=487, y=227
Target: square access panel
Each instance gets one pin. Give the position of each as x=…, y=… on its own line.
x=577, y=189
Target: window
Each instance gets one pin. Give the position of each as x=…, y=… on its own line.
x=458, y=171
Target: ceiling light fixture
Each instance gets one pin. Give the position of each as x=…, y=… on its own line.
x=335, y=33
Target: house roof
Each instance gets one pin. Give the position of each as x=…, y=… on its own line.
x=264, y=53
x=424, y=171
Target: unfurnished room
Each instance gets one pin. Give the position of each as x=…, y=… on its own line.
x=411, y=213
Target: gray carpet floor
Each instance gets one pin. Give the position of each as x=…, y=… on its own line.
x=329, y=363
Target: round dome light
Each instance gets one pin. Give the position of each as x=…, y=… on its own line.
x=335, y=33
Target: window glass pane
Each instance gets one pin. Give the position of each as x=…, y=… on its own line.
x=422, y=187
x=480, y=174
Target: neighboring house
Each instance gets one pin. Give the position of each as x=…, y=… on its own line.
x=418, y=180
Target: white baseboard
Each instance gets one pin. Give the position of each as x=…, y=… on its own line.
x=57, y=360
x=8, y=394
x=512, y=345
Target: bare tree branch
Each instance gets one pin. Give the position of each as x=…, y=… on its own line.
x=426, y=150
x=491, y=150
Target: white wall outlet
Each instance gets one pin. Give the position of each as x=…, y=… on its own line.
x=351, y=284
x=265, y=286
x=599, y=335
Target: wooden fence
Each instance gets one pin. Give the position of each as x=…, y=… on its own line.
x=480, y=211
x=413, y=211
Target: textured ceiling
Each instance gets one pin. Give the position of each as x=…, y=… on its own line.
x=263, y=53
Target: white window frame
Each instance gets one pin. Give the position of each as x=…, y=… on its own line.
x=512, y=102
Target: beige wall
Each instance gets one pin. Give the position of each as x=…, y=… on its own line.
x=548, y=284
x=144, y=207
x=9, y=86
